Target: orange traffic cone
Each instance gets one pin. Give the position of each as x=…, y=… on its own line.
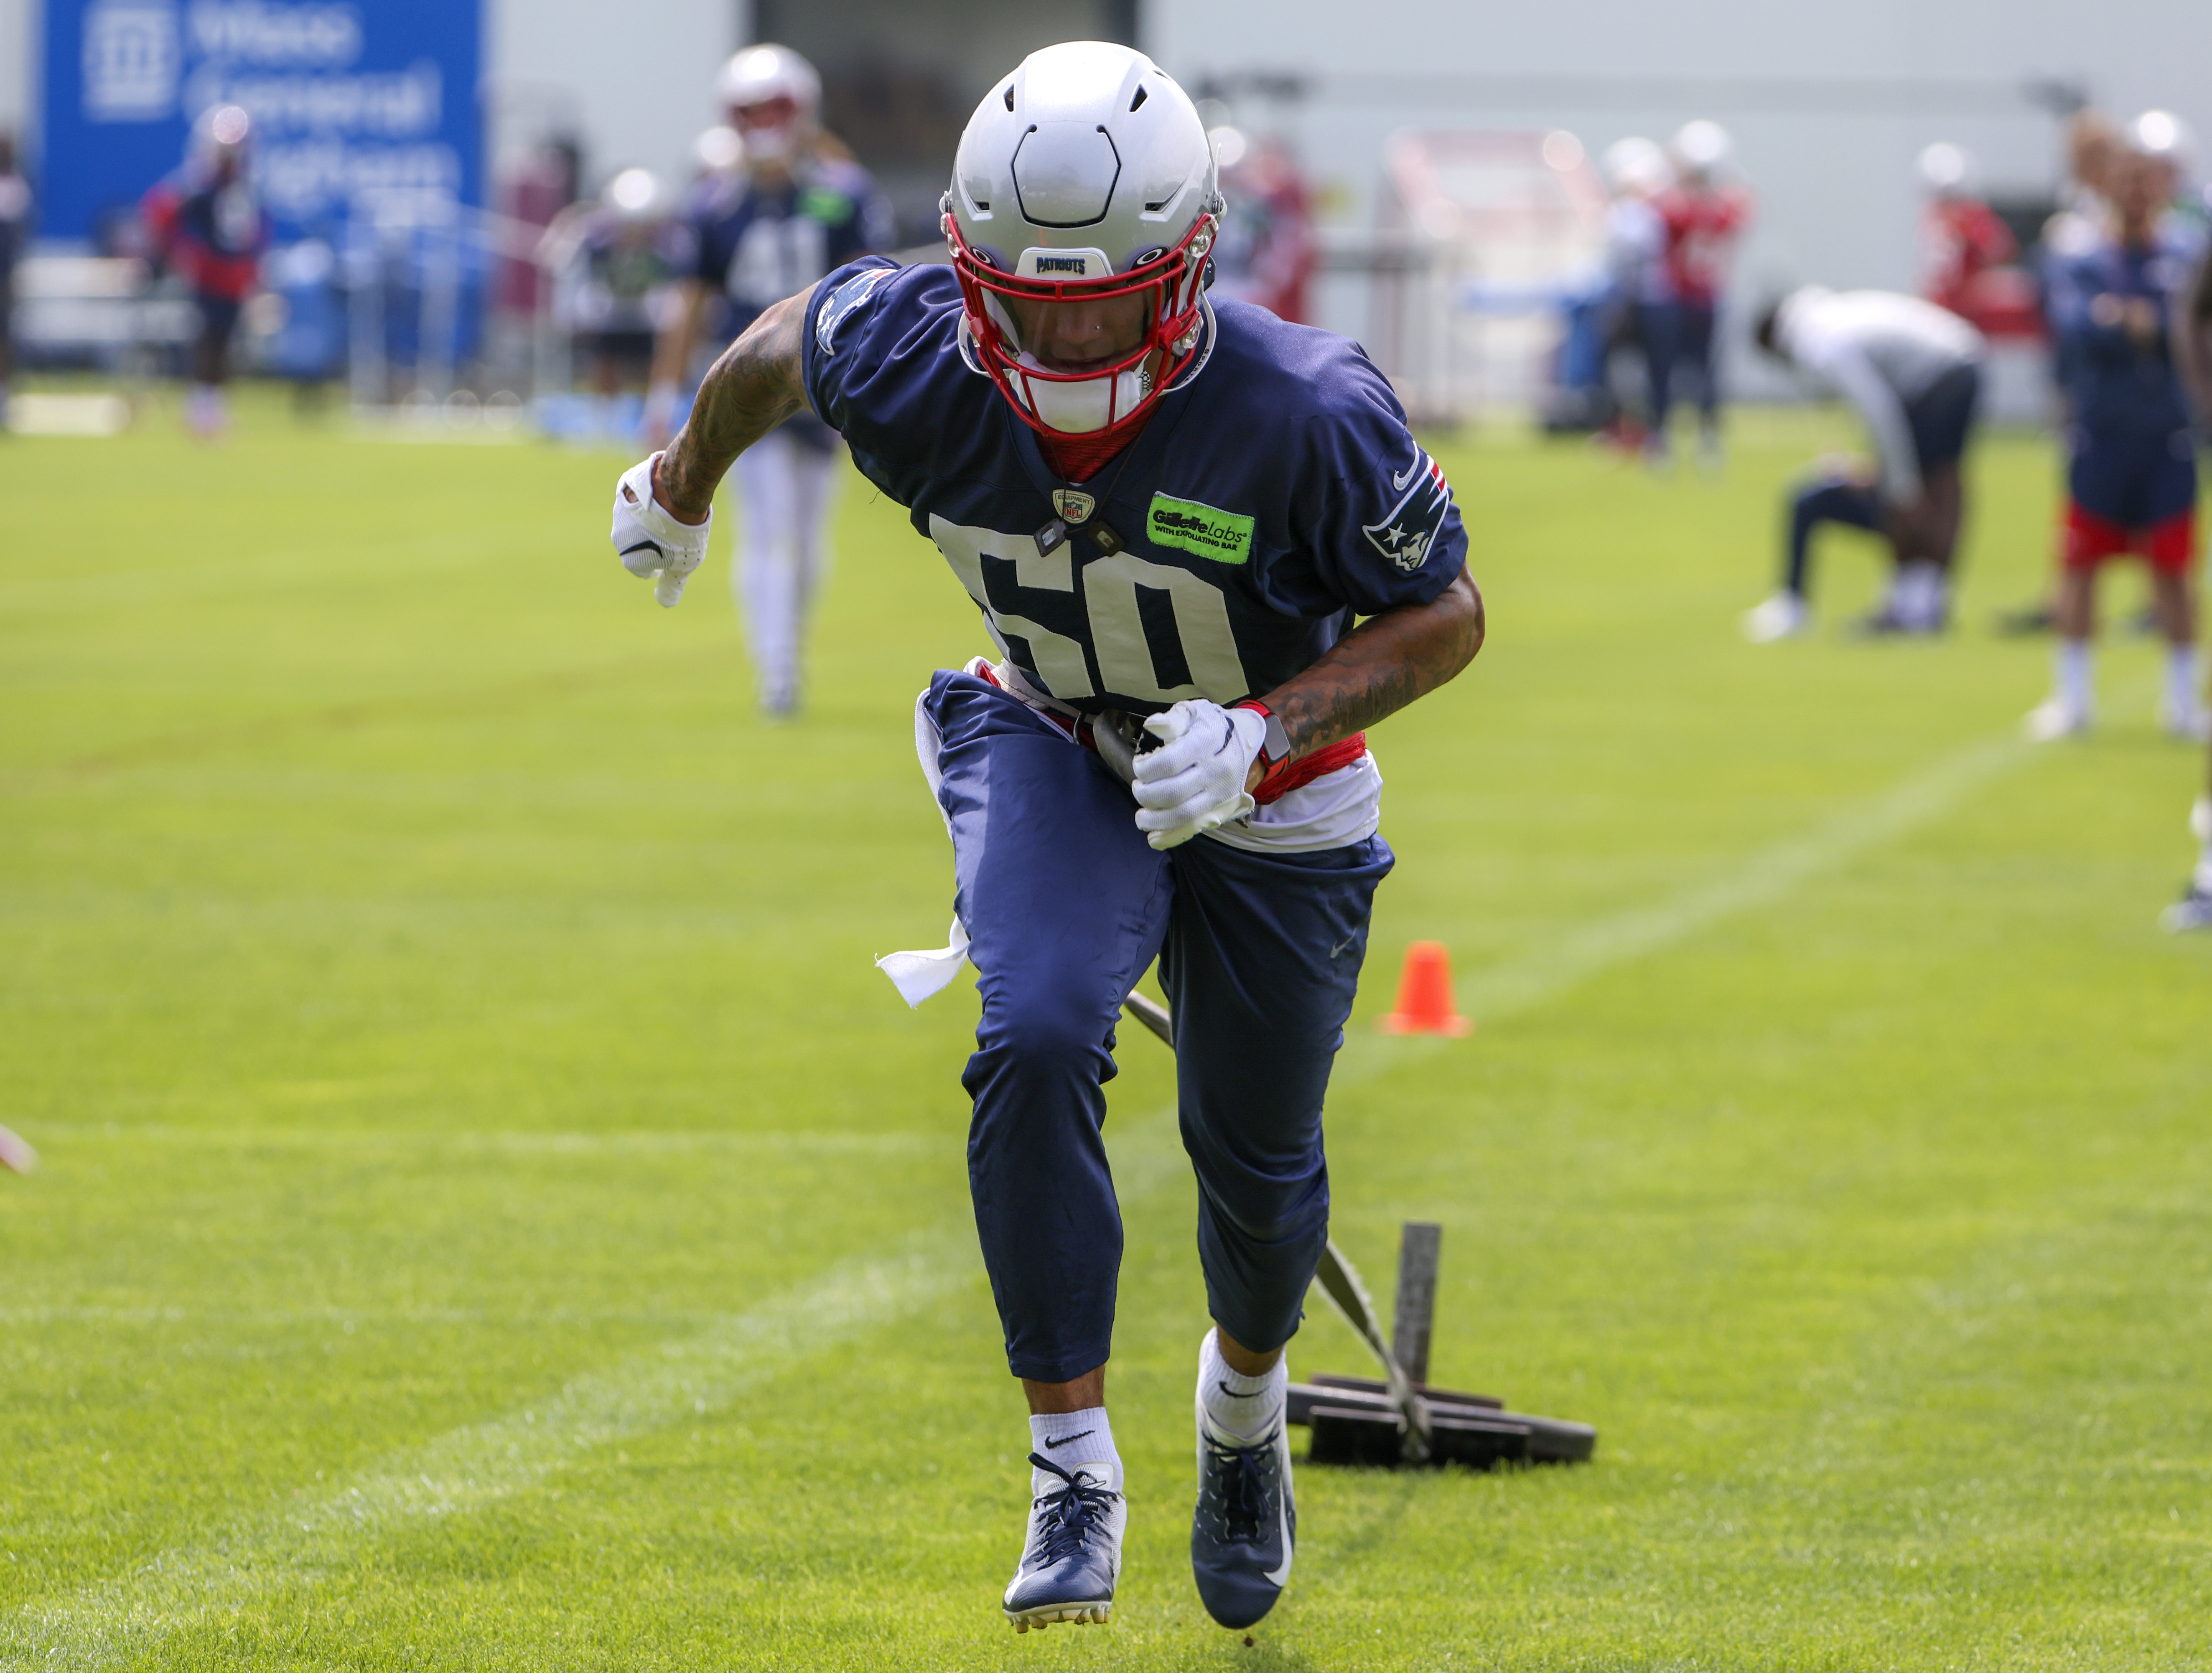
x=1424, y=994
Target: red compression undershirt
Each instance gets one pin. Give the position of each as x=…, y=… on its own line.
x=1078, y=458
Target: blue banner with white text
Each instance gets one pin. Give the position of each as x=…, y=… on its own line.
x=365, y=110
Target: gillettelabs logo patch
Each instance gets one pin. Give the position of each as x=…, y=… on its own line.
x=1207, y=530
x=1409, y=528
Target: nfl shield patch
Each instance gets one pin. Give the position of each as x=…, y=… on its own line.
x=1074, y=506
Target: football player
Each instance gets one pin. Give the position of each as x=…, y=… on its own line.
x=1209, y=554
x=795, y=206
x=15, y=234
x=1704, y=214
x=2132, y=475
x=2194, y=330
x=206, y=221
x=1913, y=371
x=1961, y=239
x=1644, y=316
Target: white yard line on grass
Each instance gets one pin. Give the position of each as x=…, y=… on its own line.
x=1759, y=880
x=123, y=1620
x=433, y=1143
x=119, y=1619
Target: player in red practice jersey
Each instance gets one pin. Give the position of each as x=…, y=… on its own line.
x=207, y=222
x=1704, y=215
x=1961, y=238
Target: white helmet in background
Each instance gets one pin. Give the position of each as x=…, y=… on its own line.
x=719, y=150
x=1701, y=146
x=1949, y=170
x=1084, y=177
x=772, y=97
x=223, y=134
x=633, y=196
x=1637, y=167
x=2164, y=136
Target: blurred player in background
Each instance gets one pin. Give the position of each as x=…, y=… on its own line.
x=2165, y=138
x=2193, y=353
x=1643, y=313
x=2094, y=149
x=2132, y=471
x=633, y=253
x=1962, y=241
x=1913, y=371
x=206, y=221
x=795, y=206
x=1210, y=554
x=1265, y=255
x=1704, y=214
x=14, y=236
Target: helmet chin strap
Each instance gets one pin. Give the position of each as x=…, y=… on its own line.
x=1091, y=403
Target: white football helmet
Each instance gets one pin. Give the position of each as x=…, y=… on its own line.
x=1701, y=146
x=2164, y=135
x=223, y=135
x=1637, y=167
x=633, y=196
x=1949, y=169
x=772, y=96
x=1083, y=178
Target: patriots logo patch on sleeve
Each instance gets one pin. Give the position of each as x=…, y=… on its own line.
x=838, y=305
x=1410, y=527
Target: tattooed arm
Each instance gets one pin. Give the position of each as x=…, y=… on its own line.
x=751, y=389
x=1379, y=667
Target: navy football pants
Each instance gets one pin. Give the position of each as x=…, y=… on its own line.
x=1065, y=905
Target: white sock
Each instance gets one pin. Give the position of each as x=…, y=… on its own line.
x=1915, y=595
x=1244, y=1410
x=2181, y=678
x=2199, y=826
x=1070, y=1437
x=2074, y=672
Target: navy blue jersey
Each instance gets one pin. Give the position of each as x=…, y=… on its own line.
x=1274, y=495
x=2115, y=385
x=756, y=246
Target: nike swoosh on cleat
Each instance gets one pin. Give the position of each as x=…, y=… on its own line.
x=1067, y=1440
x=1279, y=1577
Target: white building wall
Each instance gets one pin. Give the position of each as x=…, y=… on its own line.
x=1829, y=105
x=634, y=81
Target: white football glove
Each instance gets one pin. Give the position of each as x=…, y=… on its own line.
x=1194, y=780
x=654, y=546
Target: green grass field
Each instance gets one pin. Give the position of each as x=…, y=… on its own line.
x=493, y=1215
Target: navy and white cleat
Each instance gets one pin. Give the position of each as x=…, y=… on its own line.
x=1073, y=1553
x=1247, y=1522
x=2192, y=911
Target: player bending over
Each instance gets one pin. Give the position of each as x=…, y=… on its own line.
x=2131, y=476
x=1913, y=371
x=1172, y=515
